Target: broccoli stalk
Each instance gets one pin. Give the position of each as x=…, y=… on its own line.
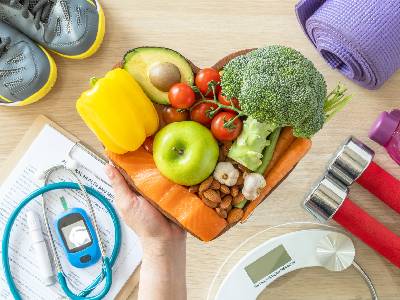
x=248, y=147
x=335, y=101
x=269, y=151
x=241, y=204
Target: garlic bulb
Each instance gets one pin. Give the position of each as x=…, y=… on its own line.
x=253, y=184
x=226, y=173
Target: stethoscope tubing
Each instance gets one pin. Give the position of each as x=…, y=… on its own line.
x=108, y=263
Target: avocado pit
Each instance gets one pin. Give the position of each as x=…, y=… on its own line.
x=164, y=75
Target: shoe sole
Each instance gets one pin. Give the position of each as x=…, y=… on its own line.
x=43, y=91
x=99, y=37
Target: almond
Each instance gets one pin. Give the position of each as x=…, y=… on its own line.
x=212, y=195
x=209, y=203
x=235, y=215
x=205, y=185
x=224, y=189
x=236, y=200
x=221, y=212
x=194, y=188
x=226, y=202
x=215, y=185
x=234, y=191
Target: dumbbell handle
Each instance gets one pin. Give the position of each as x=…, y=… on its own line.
x=369, y=230
x=383, y=185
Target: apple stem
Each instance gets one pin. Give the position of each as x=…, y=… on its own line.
x=179, y=151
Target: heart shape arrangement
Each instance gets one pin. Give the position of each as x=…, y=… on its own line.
x=209, y=208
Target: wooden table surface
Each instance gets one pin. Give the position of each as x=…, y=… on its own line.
x=205, y=31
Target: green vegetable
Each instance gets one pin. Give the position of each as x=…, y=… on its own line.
x=269, y=151
x=278, y=85
x=335, y=101
x=251, y=142
x=233, y=72
x=241, y=204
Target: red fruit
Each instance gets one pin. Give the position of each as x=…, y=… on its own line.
x=224, y=101
x=200, y=113
x=204, y=77
x=171, y=114
x=224, y=130
x=181, y=96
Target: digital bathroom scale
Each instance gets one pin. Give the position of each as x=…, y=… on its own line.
x=315, y=259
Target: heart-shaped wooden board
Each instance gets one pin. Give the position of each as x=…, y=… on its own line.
x=190, y=219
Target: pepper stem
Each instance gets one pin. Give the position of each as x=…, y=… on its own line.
x=93, y=81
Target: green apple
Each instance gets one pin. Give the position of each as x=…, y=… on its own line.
x=185, y=152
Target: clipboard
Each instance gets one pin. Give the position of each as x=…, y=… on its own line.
x=128, y=290
x=27, y=140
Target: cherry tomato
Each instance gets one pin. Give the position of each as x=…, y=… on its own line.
x=181, y=95
x=200, y=113
x=226, y=132
x=171, y=114
x=224, y=101
x=148, y=144
x=205, y=76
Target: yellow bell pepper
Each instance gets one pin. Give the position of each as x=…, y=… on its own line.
x=118, y=111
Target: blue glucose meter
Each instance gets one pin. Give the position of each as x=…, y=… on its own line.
x=78, y=238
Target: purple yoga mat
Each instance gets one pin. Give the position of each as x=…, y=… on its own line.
x=360, y=38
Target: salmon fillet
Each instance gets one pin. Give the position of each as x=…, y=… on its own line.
x=173, y=200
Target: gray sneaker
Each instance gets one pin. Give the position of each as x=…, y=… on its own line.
x=27, y=72
x=71, y=28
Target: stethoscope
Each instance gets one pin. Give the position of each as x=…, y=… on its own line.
x=70, y=166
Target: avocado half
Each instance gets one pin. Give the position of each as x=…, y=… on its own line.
x=144, y=63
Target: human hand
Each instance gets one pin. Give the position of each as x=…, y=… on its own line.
x=163, y=271
x=147, y=222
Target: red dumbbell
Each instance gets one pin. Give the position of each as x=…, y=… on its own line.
x=354, y=163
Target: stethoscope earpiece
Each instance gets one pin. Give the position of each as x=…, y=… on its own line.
x=40, y=175
x=71, y=164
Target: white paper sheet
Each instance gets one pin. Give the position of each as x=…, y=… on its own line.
x=48, y=149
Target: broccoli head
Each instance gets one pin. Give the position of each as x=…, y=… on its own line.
x=233, y=71
x=278, y=85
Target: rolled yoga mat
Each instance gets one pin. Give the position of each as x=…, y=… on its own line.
x=360, y=38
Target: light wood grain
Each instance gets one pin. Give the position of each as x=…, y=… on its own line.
x=204, y=31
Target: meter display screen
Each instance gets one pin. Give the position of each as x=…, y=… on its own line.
x=267, y=264
x=75, y=232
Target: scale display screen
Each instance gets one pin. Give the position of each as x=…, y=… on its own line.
x=267, y=264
